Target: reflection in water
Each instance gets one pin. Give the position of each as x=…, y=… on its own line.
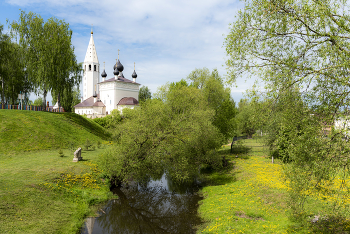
x=155, y=208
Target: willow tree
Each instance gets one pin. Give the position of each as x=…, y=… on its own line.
x=12, y=74
x=49, y=55
x=175, y=136
x=301, y=45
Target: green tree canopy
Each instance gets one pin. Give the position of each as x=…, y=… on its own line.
x=12, y=75
x=218, y=97
x=175, y=136
x=144, y=94
x=300, y=45
x=49, y=56
x=38, y=101
x=247, y=117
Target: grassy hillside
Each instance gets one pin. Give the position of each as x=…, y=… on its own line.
x=34, y=130
x=41, y=192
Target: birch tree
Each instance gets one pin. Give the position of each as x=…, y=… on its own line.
x=49, y=55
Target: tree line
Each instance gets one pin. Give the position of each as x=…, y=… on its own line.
x=38, y=56
x=174, y=131
x=300, y=49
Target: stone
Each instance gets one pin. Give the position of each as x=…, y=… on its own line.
x=77, y=155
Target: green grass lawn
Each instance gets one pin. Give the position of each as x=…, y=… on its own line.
x=42, y=192
x=249, y=197
x=35, y=130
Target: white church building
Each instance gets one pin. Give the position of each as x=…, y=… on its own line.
x=101, y=97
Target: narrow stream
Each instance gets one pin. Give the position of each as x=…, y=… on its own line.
x=158, y=207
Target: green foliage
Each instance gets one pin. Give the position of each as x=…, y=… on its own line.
x=239, y=148
x=129, y=113
x=300, y=46
x=60, y=152
x=48, y=56
x=12, y=76
x=38, y=101
x=175, y=136
x=87, y=144
x=218, y=98
x=110, y=121
x=144, y=94
x=248, y=117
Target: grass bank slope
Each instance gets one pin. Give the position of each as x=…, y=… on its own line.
x=41, y=192
x=33, y=130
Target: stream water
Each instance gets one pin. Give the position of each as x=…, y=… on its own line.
x=158, y=207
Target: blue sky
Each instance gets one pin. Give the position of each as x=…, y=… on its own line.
x=166, y=39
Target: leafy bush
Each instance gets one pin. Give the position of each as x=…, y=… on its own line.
x=87, y=144
x=110, y=121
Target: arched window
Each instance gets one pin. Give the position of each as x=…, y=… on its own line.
x=94, y=67
x=89, y=67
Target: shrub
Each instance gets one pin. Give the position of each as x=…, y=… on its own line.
x=60, y=152
x=87, y=144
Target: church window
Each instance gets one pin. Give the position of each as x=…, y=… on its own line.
x=89, y=67
x=94, y=67
x=85, y=68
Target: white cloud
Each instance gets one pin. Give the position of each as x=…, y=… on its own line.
x=166, y=39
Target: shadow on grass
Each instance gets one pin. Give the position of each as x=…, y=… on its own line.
x=211, y=176
x=235, y=154
x=323, y=225
x=240, y=149
x=85, y=160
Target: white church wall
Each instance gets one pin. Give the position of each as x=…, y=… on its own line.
x=84, y=110
x=122, y=93
x=107, y=96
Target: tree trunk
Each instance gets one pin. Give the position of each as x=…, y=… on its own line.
x=2, y=91
x=59, y=100
x=44, y=100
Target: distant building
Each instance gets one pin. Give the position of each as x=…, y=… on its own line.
x=101, y=97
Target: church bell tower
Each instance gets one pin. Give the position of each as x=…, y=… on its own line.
x=91, y=68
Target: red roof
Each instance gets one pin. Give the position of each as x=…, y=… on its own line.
x=128, y=101
x=90, y=102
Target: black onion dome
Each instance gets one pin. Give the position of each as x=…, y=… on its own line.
x=116, y=72
x=134, y=75
x=120, y=67
x=104, y=74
